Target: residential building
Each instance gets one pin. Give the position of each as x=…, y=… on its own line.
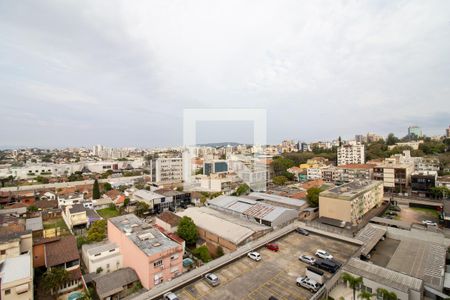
x=153, y=256
x=35, y=226
x=447, y=132
x=359, y=138
x=314, y=172
x=373, y=137
x=412, y=144
x=350, y=202
x=166, y=169
x=15, y=239
x=353, y=172
x=350, y=154
x=101, y=258
x=422, y=182
x=332, y=174
x=215, y=166
x=396, y=175
x=115, y=285
x=168, y=221
x=16, y=277
x=415, y=132
x=78, y=218
x=71, y=199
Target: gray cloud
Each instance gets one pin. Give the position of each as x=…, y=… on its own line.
x=121, y=72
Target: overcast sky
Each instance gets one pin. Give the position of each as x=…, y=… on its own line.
x=120, y=73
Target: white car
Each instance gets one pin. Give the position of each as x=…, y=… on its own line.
x=254, y=255
x=212, y=279
x=170, y=296
x=428, y=222
x=323, y=254
x=307, y=259
x=308, y=283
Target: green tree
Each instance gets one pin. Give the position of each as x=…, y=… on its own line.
x=242, y=189
x=97, y=231
x=391, y=139
x=365, y=295
x=279, y=180
x=202, y=253
x=312, y=196
x=99, y=270
x=54, y=278
x=353, y=282
x=95, y=190
x=32, y=208
x=280, y=164
x=107, y=187
x=187, y=230
x=141, y=208
x=386, y=294
x=126, y=202
x=41, y=179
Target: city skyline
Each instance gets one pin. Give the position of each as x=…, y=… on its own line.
x=90, y=73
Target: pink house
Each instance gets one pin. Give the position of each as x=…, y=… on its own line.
x=155, y=257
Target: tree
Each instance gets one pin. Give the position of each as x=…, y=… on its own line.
x=41, y=179
x=95, y=190
x=107, y=187
x=391, y=139
x=126, y=202
x=279, y=180
x=97, y=231
x=242, y=189
x=386, y=294
x=141, y=208
x=219, y=251
x=202, y=253
x=280, y=164
x=365, y=295
x=353, y=282
x=54, y=278
x=187, y=230
x=312, y=196
x=32, y=208
x=99, y=270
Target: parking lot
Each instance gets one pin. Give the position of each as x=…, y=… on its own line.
x=275, y=275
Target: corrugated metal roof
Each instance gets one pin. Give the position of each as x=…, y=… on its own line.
x=277, y=199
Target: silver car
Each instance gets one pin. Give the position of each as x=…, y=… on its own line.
x=212, y=279
x=307, y=259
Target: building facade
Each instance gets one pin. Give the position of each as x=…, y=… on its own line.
x=350, y=154
x=101, y=258
x=166, y=169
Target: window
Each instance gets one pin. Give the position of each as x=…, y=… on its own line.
x=3, y=252
x=173, y=257
x=157, y=264
x=8, y=291
x=112, y=250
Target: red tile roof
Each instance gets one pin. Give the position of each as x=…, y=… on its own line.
x=61, y=251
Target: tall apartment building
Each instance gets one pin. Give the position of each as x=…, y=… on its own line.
x=350, y=154
x=350, y=202
x=166, y=169
x=415, y=131
x=154, y=257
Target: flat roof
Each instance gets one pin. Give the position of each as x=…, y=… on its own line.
x=351, y=190
x=96, y=248
x=150, y=240
x=220, y=227
x=426, y=261
x=15, y=268
x=277, y=199
x=147, y=195
x=391, y=222
x=34, y=224
x=393, y=279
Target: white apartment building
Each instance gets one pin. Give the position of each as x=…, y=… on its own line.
x=314, y=173
x=102, y=257
x=166, y=169
x=350, y=154
x=16, y=275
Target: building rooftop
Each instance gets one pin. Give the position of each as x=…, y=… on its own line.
x=220, y=227
x=358, y=166
x=370, y=236
x=170, y=218
x=15, y=268
x=61, y=251
x=277, y=199
x=351, y=190
x=112, y=283
x=77, y=208
x=96, y=248
x=147, y=195
x=393, y=279
x=143, y=235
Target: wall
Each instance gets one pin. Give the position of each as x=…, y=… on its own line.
x=335, y=208
x=38, y=256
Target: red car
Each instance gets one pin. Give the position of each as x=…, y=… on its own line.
x=273, y=247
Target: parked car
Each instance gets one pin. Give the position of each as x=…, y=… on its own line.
x=170, y=296
x=429, y=223
x=307, y=259
x=323, y=254
x=254, y=255
x=273, y=247
x=302, y=231
x=212, y=279
x=327, y=265
x=308, y=283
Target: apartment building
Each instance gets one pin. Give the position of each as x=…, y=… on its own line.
x=350, y=202
x=396, y=176
x=351, y=172
x=422, y=182
x=16, y=277
x=215, y=166
x=102, y=258
x=350, y=154
x=154, y=257
x=166, y=169
x=315, y=172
